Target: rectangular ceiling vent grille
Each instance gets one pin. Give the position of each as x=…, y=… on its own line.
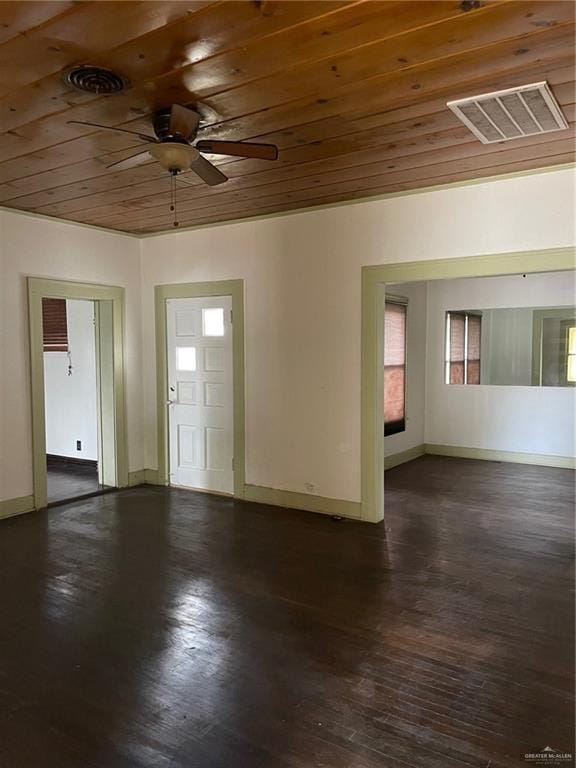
x=505, y=115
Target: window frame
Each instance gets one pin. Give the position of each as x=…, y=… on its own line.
x=399, y=426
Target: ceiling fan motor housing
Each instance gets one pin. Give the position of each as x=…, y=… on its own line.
x=162, y=129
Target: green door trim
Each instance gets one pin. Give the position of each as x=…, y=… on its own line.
x=39, y=288
x=235, y=289
x=374, y=279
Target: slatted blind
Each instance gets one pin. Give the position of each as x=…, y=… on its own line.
x=464, y=332
x=457, y=333
x=55, y=325
x=394, y=368
x=473, y=354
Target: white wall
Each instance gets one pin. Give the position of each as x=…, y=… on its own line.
x=53, y=249
x=521, y=419
x=70, y=401
x=302, y=289
x=413, y=435
x=302, y=283
x=506, y=346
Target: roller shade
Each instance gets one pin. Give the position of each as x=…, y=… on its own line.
x=394, y=368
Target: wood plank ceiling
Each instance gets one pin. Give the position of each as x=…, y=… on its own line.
x=352, y=92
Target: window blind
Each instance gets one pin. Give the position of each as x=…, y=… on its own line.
x=463, y=340
x=54, y=325
x=394, y=368
x=457, y=326
x=473, y=354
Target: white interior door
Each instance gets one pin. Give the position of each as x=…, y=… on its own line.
x=200, y=393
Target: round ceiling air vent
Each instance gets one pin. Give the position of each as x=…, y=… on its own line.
x=95, y=80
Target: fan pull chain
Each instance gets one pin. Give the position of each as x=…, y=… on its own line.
x=173, y=174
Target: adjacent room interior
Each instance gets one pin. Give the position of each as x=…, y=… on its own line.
x=445, y=340
x=287, y=383
x=69, y=337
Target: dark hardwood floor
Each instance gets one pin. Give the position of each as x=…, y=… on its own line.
x=157, y=627
x=68, y=480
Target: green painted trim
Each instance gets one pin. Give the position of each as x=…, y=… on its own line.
x=136, y=478
x=38, y=288
x=370, y=199
x=151, y=477
x=401, y=458
x=538, y=317
x=235, y=289
x=486, y=454
x=143, y=477
x=19, y=506
x=304, y=501
x=374, y=279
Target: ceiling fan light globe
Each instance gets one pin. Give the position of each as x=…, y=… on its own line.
x=173, y=155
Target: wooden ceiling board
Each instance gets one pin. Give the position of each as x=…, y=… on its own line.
x=410, y=137
x=402, y=144
x=353, y=93
x=361, y=177
x=416, y=119
x=20, y=18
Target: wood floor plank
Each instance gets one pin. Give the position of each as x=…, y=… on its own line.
x=238, y=634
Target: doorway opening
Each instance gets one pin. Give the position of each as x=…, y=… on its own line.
x=71, y=399
x=402, y=278
x=200, y=394
x=77, y=375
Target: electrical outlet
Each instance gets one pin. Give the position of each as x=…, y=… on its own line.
x=78, y=445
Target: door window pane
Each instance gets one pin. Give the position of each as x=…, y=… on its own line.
x=213, y=322
x=186, y=358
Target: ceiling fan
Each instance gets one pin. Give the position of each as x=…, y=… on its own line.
x=175, y=129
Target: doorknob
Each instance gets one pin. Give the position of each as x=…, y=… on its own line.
x=169, y=402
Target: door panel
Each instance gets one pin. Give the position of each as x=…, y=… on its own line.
x=200, y=393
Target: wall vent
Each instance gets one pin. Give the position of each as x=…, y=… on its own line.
x=511, y=114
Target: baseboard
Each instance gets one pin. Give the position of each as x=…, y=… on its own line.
x=53, y=457
x=307, y=502
x=486, y=454
x=151, y=477
x=143, y=477
x=401, y=458
x=19, y=506
x=136, y=478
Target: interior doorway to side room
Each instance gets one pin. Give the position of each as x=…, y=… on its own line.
x=70, y=397
x=481, y=368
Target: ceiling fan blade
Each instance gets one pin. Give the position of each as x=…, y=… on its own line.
x=131, y=162
x=142, y=136
x=207, y=172
x=183, y=122
x=239, y=149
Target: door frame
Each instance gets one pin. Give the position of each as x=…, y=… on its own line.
x=374, y=279
x=235, y=289
x=110, y=376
